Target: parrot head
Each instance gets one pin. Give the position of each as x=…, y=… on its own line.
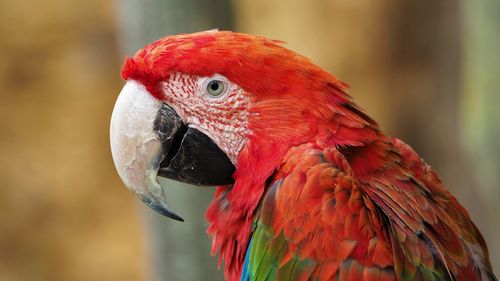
x=209, y=108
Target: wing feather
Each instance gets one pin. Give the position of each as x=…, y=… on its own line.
x=319, y=220
x=315, y=211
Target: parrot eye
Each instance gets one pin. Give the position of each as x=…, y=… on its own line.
x=215, y=88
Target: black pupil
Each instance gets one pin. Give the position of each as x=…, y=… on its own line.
x=214, y=85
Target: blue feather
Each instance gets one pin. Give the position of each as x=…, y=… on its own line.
x=245, y=273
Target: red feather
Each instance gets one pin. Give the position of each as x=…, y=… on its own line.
x=358, y=205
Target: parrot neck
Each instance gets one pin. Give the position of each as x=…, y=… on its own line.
x=233, y=211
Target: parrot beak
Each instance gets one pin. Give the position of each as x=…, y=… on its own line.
x=149, y=139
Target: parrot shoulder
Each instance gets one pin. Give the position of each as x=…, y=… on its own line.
x=316, y=224
x=372, y=213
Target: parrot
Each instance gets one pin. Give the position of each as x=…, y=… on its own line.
x=308, y=187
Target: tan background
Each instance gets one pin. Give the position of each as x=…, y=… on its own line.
x=426, y=71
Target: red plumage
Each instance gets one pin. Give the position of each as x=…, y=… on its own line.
x=359, y=205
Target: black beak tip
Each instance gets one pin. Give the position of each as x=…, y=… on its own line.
x=161, y=208
x=168, y=213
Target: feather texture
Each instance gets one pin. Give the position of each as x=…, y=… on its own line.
x=319, y=190
x=395, y=223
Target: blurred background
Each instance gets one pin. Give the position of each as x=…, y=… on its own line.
x=427, y=70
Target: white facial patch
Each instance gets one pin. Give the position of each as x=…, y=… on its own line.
x=223, y=118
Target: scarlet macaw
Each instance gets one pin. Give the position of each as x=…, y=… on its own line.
x=309, y=188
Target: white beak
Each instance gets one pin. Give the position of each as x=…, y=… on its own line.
x=136, y=147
